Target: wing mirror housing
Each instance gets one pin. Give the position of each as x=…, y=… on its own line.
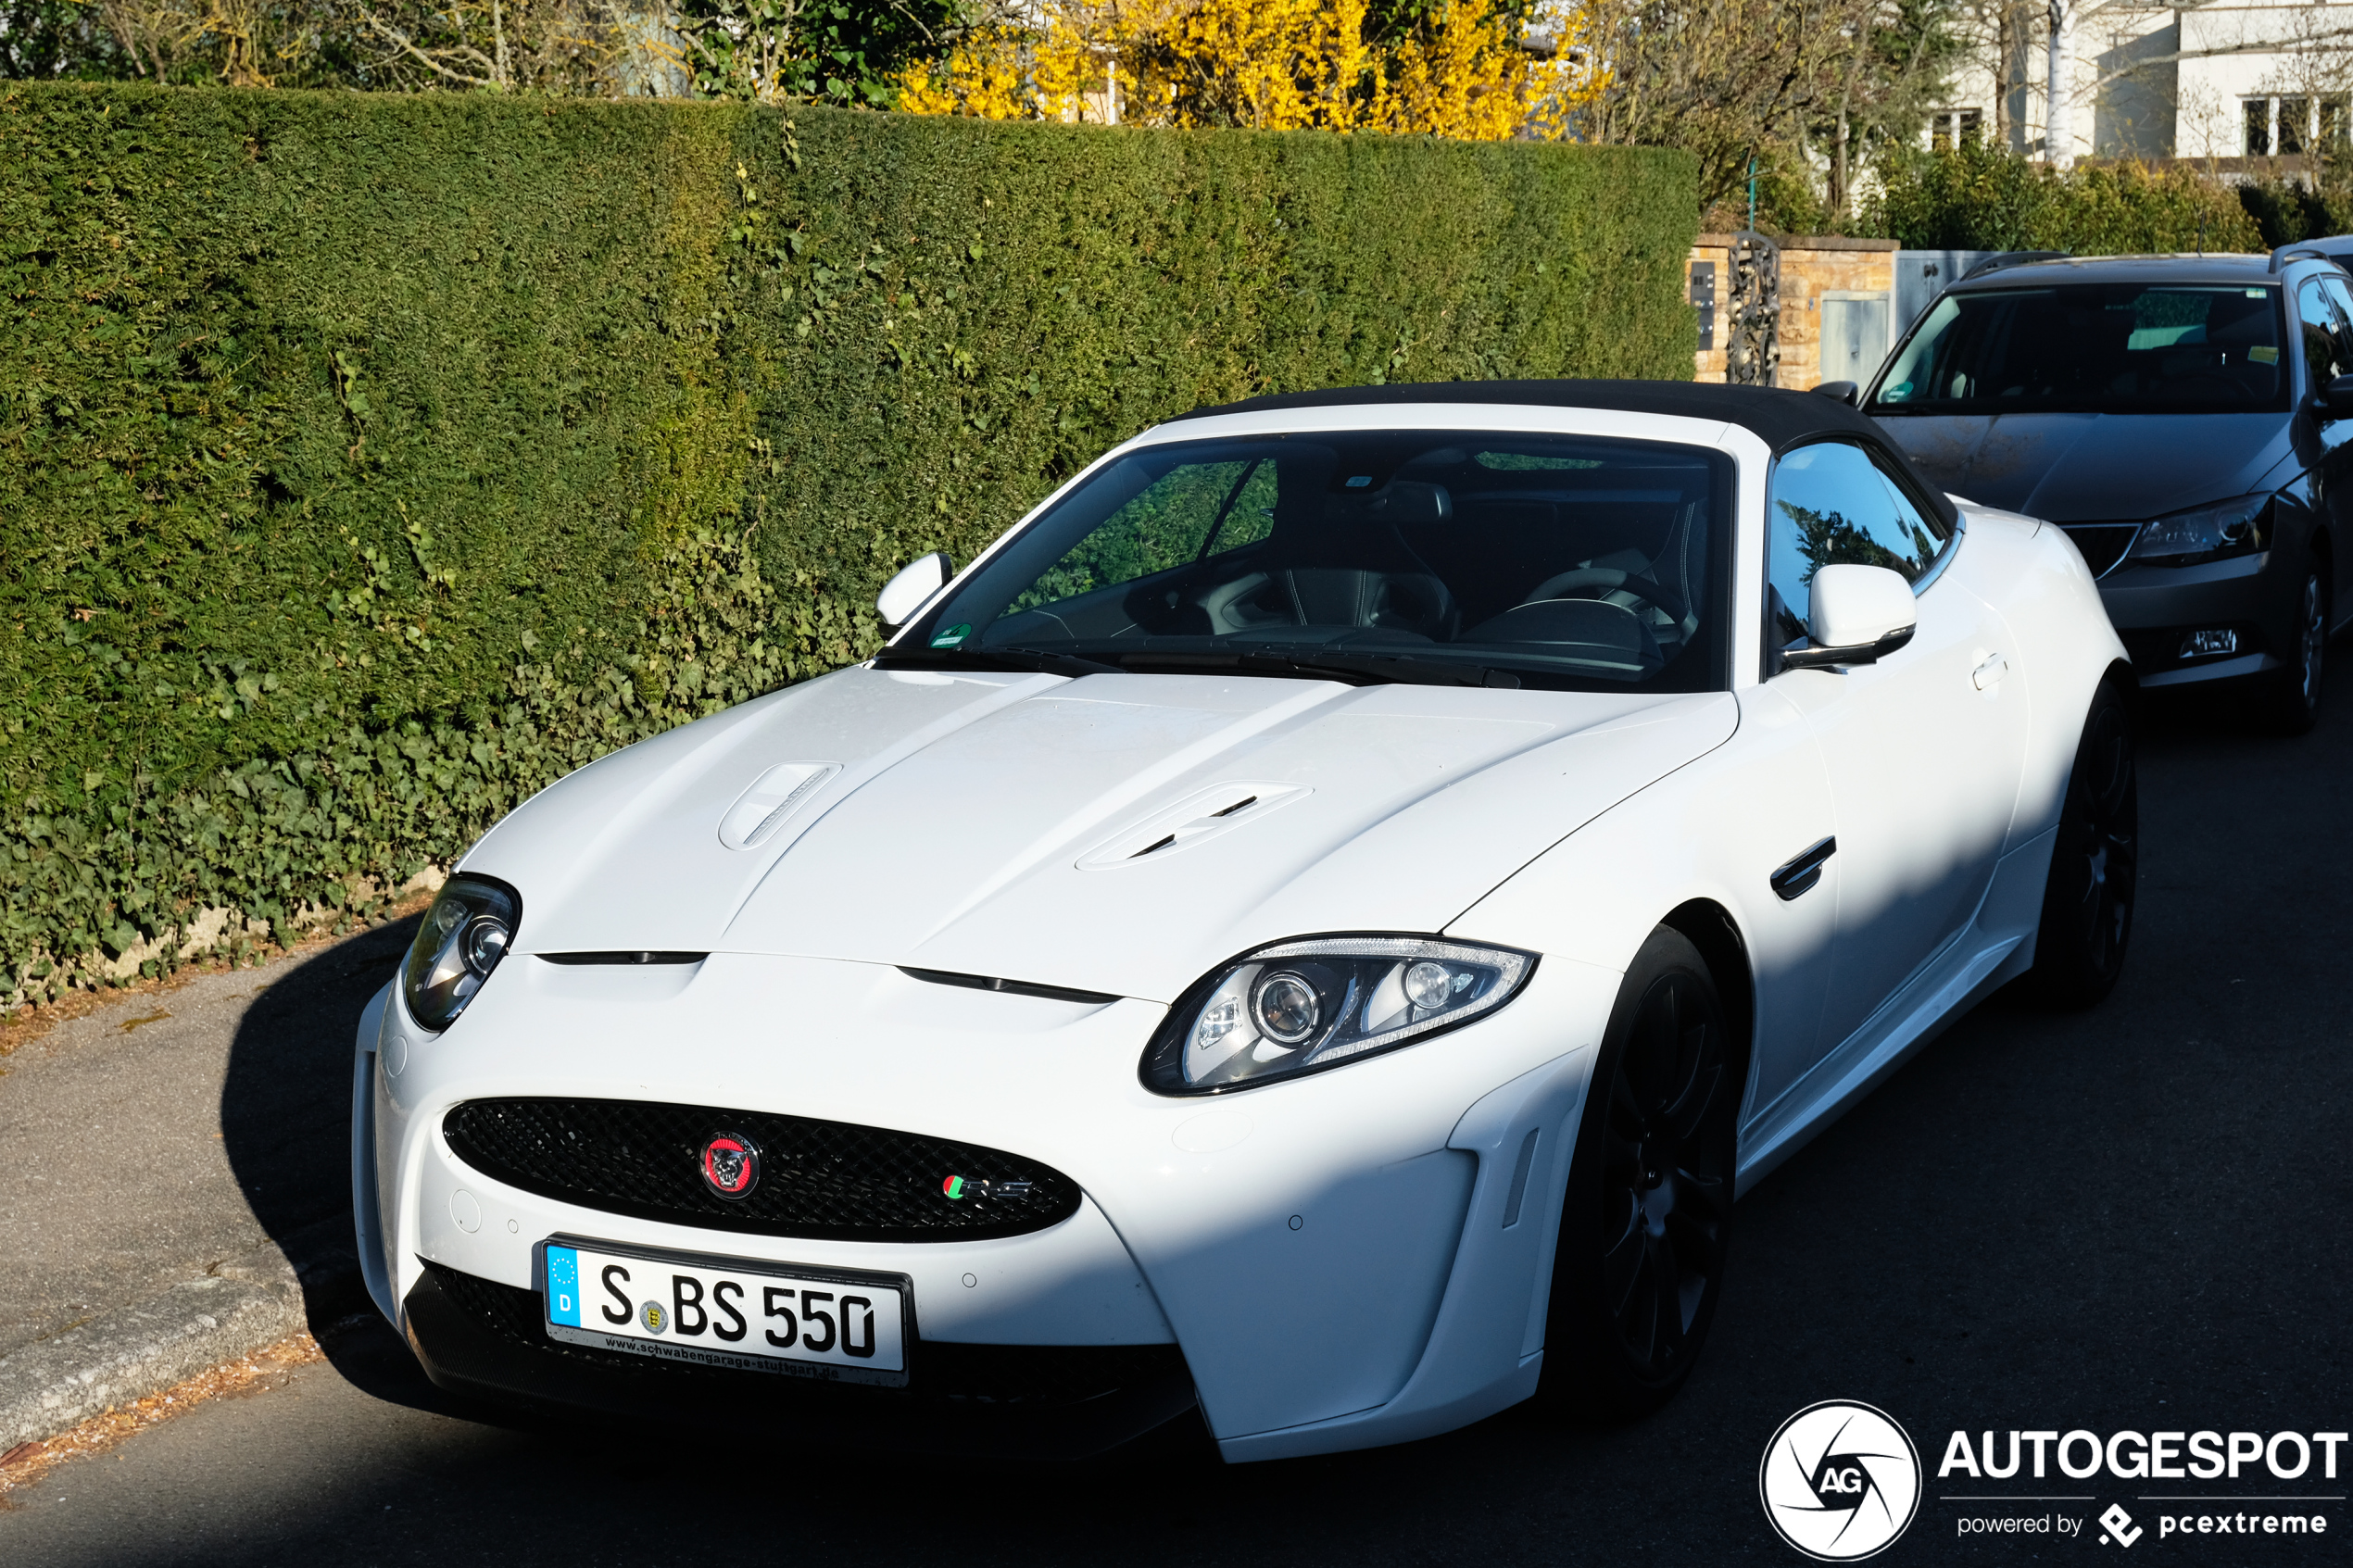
x=1860, y=615
x=1845, y=392
x=904, y=596
x=2335, y=401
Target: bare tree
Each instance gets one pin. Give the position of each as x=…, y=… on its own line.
x=551, y=46
x=1723, y=79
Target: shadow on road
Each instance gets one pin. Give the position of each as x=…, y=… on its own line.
x=286, y=1108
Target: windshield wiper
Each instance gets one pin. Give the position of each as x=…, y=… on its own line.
x=1035, y=660
x=1355, y=669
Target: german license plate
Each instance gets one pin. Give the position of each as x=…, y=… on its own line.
x=824, y=1324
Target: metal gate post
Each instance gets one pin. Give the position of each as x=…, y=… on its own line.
x=1752, y=337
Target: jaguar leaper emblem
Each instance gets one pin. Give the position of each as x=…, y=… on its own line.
x=731, y=1165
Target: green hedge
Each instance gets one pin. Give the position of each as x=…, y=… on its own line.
x=1979, y=198
x=2287, y=210
x=366, y=462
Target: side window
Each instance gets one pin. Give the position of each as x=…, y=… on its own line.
x=1829, y=505
x=2323, y=352
x=2333, y=290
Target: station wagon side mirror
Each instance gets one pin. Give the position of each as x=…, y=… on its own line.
x=1841, y=391
x=1860, y=615
x=2335, y=401
x=904, y=596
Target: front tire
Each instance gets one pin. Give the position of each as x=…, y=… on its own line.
x=1649, y=1207
x=2087, y=901
x=2294, y=698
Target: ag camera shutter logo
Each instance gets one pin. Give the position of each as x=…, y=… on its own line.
x=1840, y=1481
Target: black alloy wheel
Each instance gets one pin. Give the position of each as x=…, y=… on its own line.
x=2087, y=902
x=2296, y=686
x=1648, y=1211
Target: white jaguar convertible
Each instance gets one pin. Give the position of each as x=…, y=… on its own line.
x=1306, y=937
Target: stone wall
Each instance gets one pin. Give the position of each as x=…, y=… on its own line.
x=1715, y=251
x=1816, y=269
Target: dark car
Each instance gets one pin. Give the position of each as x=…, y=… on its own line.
x=2177, y=415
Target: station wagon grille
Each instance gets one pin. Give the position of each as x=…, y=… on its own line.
x=827, y=1180
x=2103, y=543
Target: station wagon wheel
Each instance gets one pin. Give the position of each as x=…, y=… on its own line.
x=1648, y=1209
x=2087, y=902
x=2296, y=686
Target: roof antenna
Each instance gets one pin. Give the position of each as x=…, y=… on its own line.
x=2201, y=233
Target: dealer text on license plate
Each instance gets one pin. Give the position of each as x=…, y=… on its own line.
x=727, y=1312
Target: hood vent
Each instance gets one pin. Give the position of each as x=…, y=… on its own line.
x=771, y=801
x=637, y=955
x=1010, y=987
x=1201, y=816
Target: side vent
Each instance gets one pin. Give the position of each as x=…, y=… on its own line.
x=771, y=801
x=1201, y=816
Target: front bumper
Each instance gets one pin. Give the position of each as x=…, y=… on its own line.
x=477, y=1338
x=1356, y=1258
x=2154, y=607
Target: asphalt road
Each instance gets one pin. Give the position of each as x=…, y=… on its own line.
x=2133, y=1218
x=150, y=1140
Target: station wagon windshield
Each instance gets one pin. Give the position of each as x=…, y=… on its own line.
x=2113, y=348
x=1447, y=557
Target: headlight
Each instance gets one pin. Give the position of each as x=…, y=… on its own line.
x=2207, y=534
x=1301, y=1006
x=468, y=929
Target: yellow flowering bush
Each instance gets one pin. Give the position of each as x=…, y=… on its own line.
x=1459, y=71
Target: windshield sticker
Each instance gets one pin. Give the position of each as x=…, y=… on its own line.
x=953, y=637
x=2264, y=353
x=1360, y=480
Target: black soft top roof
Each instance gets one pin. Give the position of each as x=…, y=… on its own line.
x=1780, y=419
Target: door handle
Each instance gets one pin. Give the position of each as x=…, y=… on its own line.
x=1989, y=674
x=1800, y=876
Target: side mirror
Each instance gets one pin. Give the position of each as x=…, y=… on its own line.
x=2335, y=401
x=1841, y=391
x=1861, y=614
x=904, y=596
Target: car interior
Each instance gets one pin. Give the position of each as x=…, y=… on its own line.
x=2114, y=348
x=1595, y=554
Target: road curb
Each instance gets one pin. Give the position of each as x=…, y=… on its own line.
x=237, y=1307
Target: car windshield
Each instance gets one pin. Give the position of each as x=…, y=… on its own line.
x=1450, y=556
x=2110, y=348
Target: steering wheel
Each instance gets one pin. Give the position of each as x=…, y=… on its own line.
x=1610, y=581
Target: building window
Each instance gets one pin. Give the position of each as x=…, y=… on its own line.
x=1948, y=129
x=2292, y=125
x=2295, y=119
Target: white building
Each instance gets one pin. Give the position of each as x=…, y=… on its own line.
x=2223, y=82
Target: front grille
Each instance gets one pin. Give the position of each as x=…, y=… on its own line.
x=1001, y=1374
x=2102, y=544
x=832, y=1181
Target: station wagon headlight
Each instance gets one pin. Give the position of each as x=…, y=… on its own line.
x=2205, y=533
x=468, y=929
x=1321, y=1001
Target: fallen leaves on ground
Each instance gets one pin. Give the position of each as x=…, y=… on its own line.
x=264, y=1369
